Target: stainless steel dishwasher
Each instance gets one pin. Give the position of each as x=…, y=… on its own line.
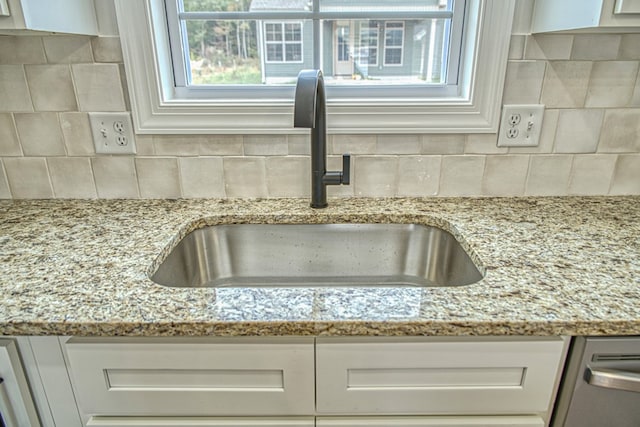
x=601, y=384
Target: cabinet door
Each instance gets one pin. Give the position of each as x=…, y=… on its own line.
x=16, y=405
x=627, y=6
x=195, y=378
x=199, y=422
x=492, y=376
x=497, y=421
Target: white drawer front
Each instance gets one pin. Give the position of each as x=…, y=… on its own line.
x=465, y=421
x=125, y=377
x=200, y=422
x=437, y=377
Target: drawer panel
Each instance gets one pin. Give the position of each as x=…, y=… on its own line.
x=198, y=378
x=451, y=421
x=200, y=422
x=438, y=376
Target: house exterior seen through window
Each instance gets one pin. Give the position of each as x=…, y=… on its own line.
x=267, y=42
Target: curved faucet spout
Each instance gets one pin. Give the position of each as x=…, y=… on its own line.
x=310, y=112
x=310, y=105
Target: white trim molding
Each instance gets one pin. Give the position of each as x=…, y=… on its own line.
x=158, y=110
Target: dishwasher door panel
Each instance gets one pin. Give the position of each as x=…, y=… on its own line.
x=612, y=366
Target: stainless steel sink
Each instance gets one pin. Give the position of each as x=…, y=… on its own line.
x=317, y=255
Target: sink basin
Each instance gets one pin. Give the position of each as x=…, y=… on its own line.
x=317, y=255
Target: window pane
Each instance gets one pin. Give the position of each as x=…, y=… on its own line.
x=293, y=32
x=293, y=52
x=358, y=51
x=274, y=52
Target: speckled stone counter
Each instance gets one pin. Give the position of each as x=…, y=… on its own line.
x=553, y=266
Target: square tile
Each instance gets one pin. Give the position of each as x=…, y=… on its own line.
x=516, y=46
x=596, y=47
x=158, y=178
x=548, y=175
x=76, y=131
x=14, y=92
x=5, y=192
x=40, y=134
x=9, y=145
x=398, y=144
x=288, y=176
x=505, y=176
x=115, y=177
x=566, y=83
x=591, y=174
x=352, y=144
x=28, y=177
x=612, y=84
x=620, y=131
x=418, y=176
x=222, y=145
x=300, y=145
x=630, y=47
x=72, y=177
x=578, y=131
x=443, y=144
x=64, y=49
x=21, y=50
x=245, y=177
x=201, y=176
x=625, y=178
x=523, y=83
x=486, y=143
x=549, y=46
x=461, y=175
x=178, y=145
x=98, y=87
x=51, y=87
x=375, y=176
x=106, y=49
x=265, y=145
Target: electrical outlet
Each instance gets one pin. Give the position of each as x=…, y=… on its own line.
x=112, y=133
x=520, y=125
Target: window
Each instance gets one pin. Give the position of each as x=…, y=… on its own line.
x=229, y=66
x=393, y=43
x=283, y=42
x=368, y=53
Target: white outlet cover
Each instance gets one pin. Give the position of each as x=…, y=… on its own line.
x=106, y=135
x=528, y=127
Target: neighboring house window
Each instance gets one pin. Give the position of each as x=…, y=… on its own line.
x=393, y=43
x=368, y=52
x=283, y=42
x=395, y=66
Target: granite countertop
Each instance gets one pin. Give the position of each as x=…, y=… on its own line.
x=554, y=266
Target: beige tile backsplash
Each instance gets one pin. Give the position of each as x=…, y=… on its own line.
x=590, y=143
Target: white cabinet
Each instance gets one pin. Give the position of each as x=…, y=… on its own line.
x=302, y=381
x=179, y=378
x=16, y=405
x=201, y=422
x=439, y=376
x=450, y=421
x=604, y=15
x=61, y=16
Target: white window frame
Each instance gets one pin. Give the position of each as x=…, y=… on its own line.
x=401, y=47
x=157, y=110
x=283, y=42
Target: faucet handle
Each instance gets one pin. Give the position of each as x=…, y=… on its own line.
x=346, y=169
